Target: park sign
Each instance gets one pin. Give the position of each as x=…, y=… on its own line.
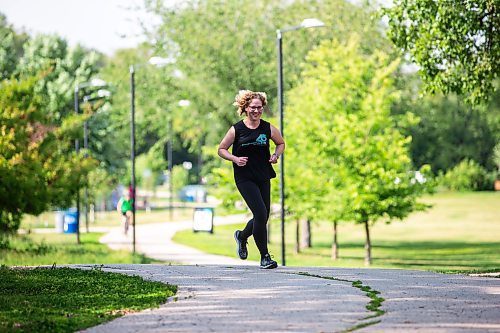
x=203, y=219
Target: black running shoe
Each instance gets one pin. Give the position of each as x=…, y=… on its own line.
x=241, y=245
x=267, y=262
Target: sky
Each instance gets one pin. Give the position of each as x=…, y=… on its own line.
x=106, y=25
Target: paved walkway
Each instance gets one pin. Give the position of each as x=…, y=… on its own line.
x=231, y=297
x=155, y=241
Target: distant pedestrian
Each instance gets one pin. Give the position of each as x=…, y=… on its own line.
x=252, y=167
x=125, y=207
x=131, y=192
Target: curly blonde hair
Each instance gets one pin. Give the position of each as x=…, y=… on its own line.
x=245, y=97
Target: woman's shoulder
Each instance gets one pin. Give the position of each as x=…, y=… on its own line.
x=238, y=124
x=264, y=124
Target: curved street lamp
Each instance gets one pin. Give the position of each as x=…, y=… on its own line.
x=183, y=103
x=307, y=23
x=93, y=83
x=158, y=62
x=100, y=94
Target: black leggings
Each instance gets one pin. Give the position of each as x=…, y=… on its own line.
x=258, y=198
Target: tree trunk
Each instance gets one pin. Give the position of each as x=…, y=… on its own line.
x=297, y=236
x=92, y=213
x=306, y=233
x=335, y=248
x=368, y=246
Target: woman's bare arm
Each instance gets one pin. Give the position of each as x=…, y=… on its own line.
x=279, y=142
x=224, y=145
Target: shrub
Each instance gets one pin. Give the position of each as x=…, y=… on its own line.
x=496, y=159
x=468, y=175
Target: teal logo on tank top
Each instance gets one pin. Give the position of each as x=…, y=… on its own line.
x=260, y=141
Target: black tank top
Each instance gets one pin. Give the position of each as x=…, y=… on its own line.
x=254, y=144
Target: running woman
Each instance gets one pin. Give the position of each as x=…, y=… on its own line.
x=252, y=165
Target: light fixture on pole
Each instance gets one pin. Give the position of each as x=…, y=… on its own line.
x=170, y=167
x=99, y=95
x=158, y=62
x=132, y=149
x=307, y=23
x=182, y=103
x=93, y=83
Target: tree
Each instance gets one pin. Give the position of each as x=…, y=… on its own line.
x=455, y=43
x=341, y=131
x=157, y=95
x=222, y=47
x=44, y=69
x=448, y=130
x=11, y=48
x=64, y=67
x=36, y=171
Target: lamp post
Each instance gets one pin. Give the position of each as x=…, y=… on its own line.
x=101, y=93
x=170, y=168
x=158, y=62
x=132, y=148
x=94, y=83
x=182, y=103
x=307, y=23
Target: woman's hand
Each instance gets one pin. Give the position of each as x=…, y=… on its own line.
x=274, y=159
x=240, y=161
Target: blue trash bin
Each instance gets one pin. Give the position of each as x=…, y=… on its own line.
x=70, y=221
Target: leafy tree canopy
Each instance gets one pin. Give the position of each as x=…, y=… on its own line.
x=222, y=47
x=11, y=47
x=38, y=166
x=455, y=43
x=448, y=130
x=64, y=68
x=343, y=140
x=36, y=172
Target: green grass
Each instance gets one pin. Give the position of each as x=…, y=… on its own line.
x=67, y=300
x=47, y=249
x=459, y=234
x=108, y=219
